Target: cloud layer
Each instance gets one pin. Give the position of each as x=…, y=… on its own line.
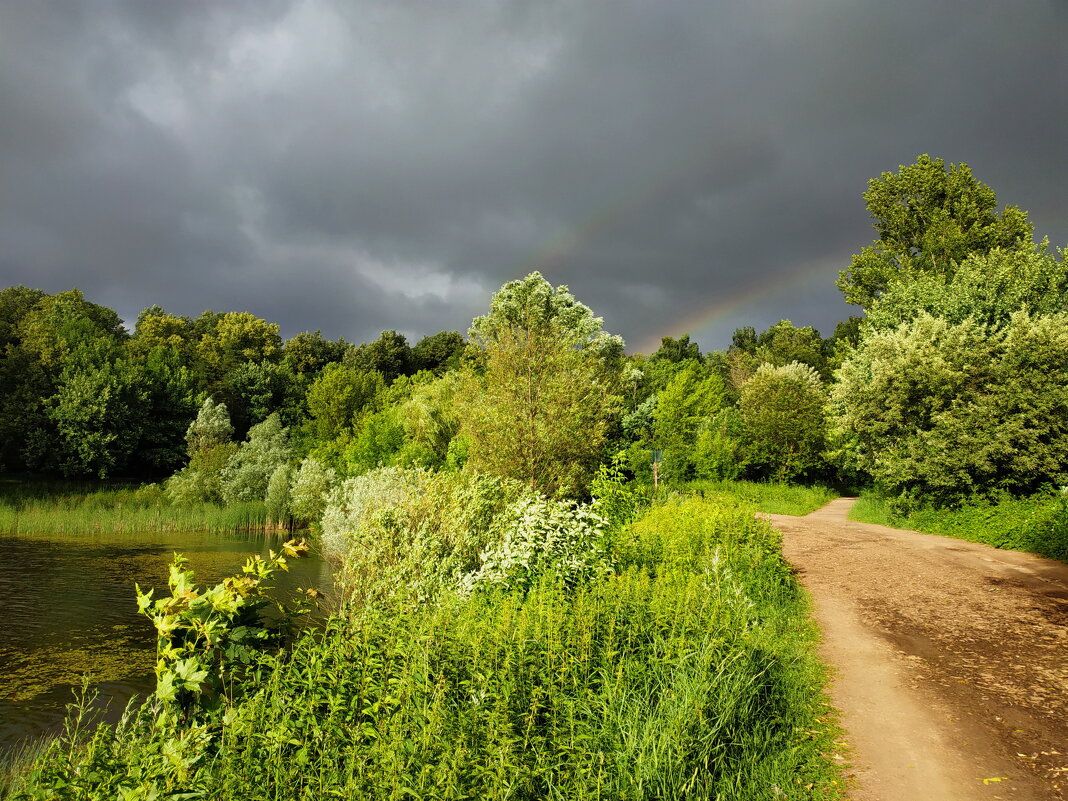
x=354, y=167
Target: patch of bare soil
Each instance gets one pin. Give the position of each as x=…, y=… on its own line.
x=950, y=659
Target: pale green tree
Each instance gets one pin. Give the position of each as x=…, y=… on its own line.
x=986, y=287
x=937, y=411
x=245, y=476
x=209, y=445
x=544, y=391
x=278, y=499
x=210, y=429
x=312, y=484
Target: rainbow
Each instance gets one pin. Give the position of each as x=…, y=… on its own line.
x=551, y=257
x=745, y=297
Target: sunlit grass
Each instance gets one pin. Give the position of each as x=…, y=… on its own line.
x=40, y=508
x=768, y=497
x=1038, y=524
x=687, y=673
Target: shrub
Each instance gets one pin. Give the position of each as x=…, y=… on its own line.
x=782, y=412
x=561, y=540
x=409, y=532
x=940, y=412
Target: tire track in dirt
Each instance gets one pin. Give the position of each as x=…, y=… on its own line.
x=950, y=659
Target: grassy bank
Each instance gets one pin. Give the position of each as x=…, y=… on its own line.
x=1037, y=524
x=39, y=508
x=768, y=497
x=688, y=672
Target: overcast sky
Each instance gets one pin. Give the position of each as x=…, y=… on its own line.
x=363, y=165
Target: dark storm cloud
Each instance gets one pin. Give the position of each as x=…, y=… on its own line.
x=361, y=166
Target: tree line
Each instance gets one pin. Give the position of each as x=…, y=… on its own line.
x=953, y=383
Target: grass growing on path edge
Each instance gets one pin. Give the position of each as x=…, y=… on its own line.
x=1038, y=524
x=769, y=497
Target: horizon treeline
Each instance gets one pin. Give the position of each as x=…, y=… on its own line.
x=952, y=385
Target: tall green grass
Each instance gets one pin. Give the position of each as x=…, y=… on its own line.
x=39, y=508
x=689, y=673
x=768, y=497
x=1038, y=524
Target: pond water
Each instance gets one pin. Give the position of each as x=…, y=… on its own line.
x=67, y=608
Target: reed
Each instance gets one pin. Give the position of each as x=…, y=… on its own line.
x=63, y=509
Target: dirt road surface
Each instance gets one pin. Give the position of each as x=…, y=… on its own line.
x=950, y=659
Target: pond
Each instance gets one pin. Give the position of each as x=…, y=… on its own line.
x=67, y=608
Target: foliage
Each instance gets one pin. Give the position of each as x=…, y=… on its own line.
x=278, y=500
x=544, y=539
x=389, y=355
x=782, y=411
x=720, y=449
x=256, y=389
x=337, y=395
x=1037, y=523
x=431, y=420
x=533, y=305
x=929, y=219
x=308, y=354
x=377, y=442
x=210, y=449
x=235, y=338
x=210, y=641
x=940, y=411
x=60, y=324
x=397, y=532
x=614, y=500
x=209, y=430
x=313, y=482
x=781, y=344
x=987, y=288
x=438, y=352
x=689, y=400
x=245, y=476
x=539, y=406
x=97, y=412
x=677, y=350
x=690, y=673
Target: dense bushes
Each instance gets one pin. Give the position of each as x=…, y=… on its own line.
x=937, y=412
x=407, y=532
x=687, y=672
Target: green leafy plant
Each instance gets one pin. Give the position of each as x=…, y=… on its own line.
x=210, y=641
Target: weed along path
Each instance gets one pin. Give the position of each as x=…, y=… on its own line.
x=950, y=659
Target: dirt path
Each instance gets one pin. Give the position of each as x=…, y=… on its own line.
x=950, y=658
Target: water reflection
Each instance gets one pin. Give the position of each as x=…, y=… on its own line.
x=67, y=608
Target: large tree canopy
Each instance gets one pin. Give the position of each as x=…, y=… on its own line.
x=929, y=218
